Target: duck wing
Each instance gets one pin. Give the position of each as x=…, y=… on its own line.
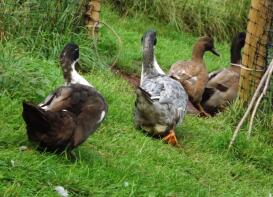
x=184, y=70
x=74, y=112
x=168, y=91
x=220, y=90
x=223, y=80
x=58, y=100
x=214, y=73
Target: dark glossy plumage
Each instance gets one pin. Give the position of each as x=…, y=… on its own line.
x=68, y=116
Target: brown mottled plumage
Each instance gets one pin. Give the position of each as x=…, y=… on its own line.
x=223, y=85
x=193, y=74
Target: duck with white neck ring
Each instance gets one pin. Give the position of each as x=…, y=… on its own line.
x=68, y=116
x=161, y=101
x=69, y=59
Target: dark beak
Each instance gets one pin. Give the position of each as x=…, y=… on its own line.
x=213, y=50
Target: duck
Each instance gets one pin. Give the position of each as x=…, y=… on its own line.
x=70, y=114
x=222, y=86
x=160, y=100
x=192, y=74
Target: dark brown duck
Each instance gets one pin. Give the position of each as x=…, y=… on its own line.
x=68, y=116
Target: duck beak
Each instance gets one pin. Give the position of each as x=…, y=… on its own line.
x=213, y=50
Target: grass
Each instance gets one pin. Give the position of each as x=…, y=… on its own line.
x=170, y=47
x=217, y=18
x=118, y=160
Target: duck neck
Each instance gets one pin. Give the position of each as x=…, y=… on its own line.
x=74, y=77
x=150, y=67
x=198, y=52
x=235, y=54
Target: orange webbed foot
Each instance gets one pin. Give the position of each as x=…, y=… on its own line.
x=171, y=138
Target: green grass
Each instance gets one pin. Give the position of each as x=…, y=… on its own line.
x=172, y=45
x=218, y=18
x=119, y=160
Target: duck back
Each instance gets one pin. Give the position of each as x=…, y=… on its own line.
x=68, y=120
x=160, y=105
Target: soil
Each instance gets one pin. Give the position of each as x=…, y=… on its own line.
x=132, y=79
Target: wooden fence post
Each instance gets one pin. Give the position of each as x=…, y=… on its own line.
x=92, y=16
x=254, y=56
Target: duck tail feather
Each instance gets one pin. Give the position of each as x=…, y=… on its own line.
x=145, y=94
x=37, y=120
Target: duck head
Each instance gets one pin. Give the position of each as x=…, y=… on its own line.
x=149, y=63
x=68, y=59
x=209, y=45
x=237, y=44
x=203, y=44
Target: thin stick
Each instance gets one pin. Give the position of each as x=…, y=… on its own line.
x=95, y=43
x=119, y=40
x=268, y=77
x=236, y=132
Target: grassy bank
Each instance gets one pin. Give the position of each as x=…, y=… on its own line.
x=118, y=160
x=218, y=18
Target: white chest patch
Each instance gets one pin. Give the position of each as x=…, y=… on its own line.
x=157, y=67
x=142, y=75
x=102, y=115
x=77, y=78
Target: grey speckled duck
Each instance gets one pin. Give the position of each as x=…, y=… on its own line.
x=161, y=101
x=68, y=116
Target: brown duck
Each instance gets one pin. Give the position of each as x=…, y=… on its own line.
x=223, y=85
x=70, y=114
x=193, y=74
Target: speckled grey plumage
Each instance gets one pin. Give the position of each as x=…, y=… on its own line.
x=161, y=101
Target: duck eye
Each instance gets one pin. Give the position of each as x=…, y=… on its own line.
x=142, y=39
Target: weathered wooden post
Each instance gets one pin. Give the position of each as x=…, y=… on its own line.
x=1, y=34
x=254, y=56
x=1, y=29
x=92, y=16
